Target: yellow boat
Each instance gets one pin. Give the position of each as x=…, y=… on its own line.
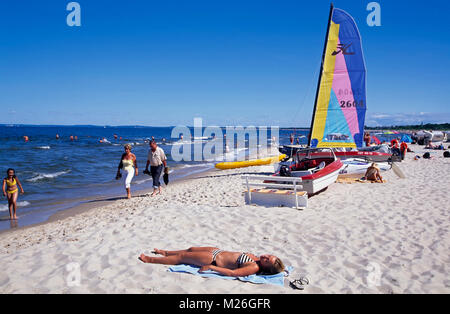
x=249, y=163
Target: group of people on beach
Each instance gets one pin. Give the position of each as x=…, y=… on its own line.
x=156, y=159
x=156, y=164
x=235, y=264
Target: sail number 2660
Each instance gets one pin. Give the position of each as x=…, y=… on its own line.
x=352, y=104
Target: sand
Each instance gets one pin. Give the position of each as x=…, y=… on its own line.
x=352, y=238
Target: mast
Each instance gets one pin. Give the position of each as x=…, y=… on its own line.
x=320, y=74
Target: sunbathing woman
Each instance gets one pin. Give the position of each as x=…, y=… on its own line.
x=234, y=264
x=11, y=185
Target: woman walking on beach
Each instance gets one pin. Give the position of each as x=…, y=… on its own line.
x=234, y=264
x=12, y=192
x=157, y=161
x=128, y=163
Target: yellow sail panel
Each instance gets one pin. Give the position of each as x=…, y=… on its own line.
x=340, y=106
x=326, y=83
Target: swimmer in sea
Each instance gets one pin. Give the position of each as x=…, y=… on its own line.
x=11, y=191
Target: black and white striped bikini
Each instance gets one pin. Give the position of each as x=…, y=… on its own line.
x=244, y=258
x=241, y=260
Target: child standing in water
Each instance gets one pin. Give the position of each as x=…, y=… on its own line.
x=11, y=192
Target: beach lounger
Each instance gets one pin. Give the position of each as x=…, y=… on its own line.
x=285, y=193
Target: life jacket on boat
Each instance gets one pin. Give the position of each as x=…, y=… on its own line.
x=305, y=165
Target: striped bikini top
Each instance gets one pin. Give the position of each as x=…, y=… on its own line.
x=244, y=258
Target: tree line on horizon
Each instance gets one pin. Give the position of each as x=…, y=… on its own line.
x=418, y=127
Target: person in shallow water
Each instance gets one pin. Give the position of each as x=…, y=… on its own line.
x=11, y=191
x=234, y=264
x=128, y=163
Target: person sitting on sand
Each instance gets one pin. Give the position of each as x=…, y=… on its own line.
x=373, y=173
x=128, y=163
x=12, y=192
x=234, y=264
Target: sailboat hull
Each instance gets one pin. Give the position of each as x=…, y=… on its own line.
x=319, y=181
x=354, y=168
x=373, y=156
x=370, y=156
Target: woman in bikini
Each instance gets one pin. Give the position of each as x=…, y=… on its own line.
x=234, y=264
x=11, y=191
x=128, y=163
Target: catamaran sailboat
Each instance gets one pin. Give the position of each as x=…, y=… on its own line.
x=340, y=103
x=339, y=112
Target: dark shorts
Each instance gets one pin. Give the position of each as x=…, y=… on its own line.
x=156, y=175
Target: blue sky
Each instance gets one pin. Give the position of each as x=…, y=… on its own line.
x=230, y=62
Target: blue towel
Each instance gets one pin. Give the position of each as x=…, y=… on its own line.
x=277, y=279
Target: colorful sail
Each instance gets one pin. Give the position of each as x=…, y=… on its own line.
x=340, y=108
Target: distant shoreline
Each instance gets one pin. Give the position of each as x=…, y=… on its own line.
x=427, y=126
x=416, y=127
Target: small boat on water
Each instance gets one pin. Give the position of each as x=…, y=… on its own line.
x=317, y=171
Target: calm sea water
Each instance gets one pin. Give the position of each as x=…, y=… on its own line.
x=59, y=173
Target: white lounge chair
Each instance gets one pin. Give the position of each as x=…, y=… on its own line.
x=285, y=193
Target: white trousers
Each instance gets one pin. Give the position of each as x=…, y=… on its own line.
x=129, y=177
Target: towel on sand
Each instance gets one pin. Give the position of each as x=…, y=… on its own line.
x=277, y=279
x=356, y=180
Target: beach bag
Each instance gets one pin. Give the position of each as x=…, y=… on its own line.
x=427, y=156
x=447, y=154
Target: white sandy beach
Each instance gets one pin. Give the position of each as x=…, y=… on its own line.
x=346, y=237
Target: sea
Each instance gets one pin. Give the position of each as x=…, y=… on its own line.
x=58, y=174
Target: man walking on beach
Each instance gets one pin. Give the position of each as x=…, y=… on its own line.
x=157, y=161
